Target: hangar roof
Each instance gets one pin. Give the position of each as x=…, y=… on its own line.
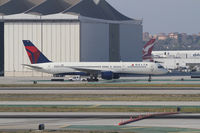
x=17, y=6
x=99, y=9
x=52, y=7
x=3, y=2
x=94, y=9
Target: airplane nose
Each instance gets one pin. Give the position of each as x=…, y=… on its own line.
x=166, y=71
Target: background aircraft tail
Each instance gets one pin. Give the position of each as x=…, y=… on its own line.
x=147, y=51
x=34, y=54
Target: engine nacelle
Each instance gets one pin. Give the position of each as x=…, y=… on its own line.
x=116, y=76
x=107, y=75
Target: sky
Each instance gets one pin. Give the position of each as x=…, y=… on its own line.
x=163, y=16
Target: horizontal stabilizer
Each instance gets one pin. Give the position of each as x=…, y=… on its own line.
x=33, y=67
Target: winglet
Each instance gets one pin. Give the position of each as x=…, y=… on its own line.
x=34, y=54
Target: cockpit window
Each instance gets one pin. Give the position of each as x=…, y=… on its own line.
x=160, y=67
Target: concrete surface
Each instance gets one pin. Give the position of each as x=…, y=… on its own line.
x=65, y=123
x=128, y=80
x=95, y=91
x=99, y=103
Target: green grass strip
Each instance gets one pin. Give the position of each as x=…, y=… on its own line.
x=104, y=108
x=100, y=97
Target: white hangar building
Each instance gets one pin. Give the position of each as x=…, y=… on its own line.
x=66, y=31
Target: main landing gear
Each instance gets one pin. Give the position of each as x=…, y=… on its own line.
x=93, y=78
x=149, y=78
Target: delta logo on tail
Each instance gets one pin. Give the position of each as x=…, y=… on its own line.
x=147, y=50
x=34, y=54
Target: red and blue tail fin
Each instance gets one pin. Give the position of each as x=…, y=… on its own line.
x=147, y=51
x=34, y=54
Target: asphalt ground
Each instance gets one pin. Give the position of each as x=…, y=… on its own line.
x=94, y=121
x=102, y=121
x=122, y=80
x=100, y=91
x=91, y=115
x=97, y=88
x=100, y=103
x=93, y=124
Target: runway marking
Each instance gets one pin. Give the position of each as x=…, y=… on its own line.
x=65, y=126
x=94, y=106
x=185, y=132
x=132, y=128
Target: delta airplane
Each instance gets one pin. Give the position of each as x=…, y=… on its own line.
x=105, y=70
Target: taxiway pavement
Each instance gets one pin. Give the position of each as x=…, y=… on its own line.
x=63, y=123
x=99, y=103
x=92, y=115
x=123, y=80
x=75, y=90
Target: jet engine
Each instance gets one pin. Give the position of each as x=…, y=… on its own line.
x=109, y=75
x=116, y=76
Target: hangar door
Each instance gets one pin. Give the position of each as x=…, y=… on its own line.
x=1, y=49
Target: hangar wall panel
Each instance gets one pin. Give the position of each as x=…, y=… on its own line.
x=15, y=54
x=50, y=37
x=61, y=41
x=114, y=43
x=1, y=49
x=131, y=42
x=94, y=42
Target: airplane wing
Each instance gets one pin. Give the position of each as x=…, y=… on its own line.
x=87, y=70
x=33, y=67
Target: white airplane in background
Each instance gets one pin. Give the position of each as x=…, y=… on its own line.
x=106, y=70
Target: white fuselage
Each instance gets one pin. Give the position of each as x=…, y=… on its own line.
x=146, y=68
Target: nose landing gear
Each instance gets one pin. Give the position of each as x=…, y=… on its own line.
x=149, y=78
